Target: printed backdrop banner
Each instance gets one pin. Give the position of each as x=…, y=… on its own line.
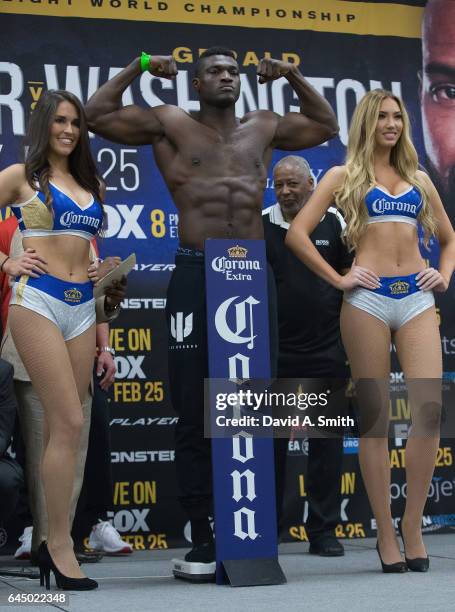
x=344, y=49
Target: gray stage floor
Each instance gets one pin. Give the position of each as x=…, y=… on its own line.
x=352, y=583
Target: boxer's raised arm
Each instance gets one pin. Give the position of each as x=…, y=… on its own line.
x=131, y=124
x=316, y=121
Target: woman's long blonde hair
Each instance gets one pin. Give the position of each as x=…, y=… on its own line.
x=360, y=178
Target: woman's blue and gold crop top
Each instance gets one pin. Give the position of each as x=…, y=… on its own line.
x=67, y=217
x=382, y=206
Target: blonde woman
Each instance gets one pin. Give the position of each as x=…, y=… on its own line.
x=388, y=297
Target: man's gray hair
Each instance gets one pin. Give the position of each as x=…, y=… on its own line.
x=295, y=160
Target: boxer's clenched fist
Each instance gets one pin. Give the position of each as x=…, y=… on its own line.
x=163, y=66
x=270, y=69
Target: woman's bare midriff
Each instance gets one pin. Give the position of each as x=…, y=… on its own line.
x=390, y=249
x=67, y=257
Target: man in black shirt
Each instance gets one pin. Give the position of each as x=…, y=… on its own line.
x=309, y=339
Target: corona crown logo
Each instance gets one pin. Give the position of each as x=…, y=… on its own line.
x=72, y=295
x=399, y=287
x=237, y=251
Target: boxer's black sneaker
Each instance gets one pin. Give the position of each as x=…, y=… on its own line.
x=201, y=553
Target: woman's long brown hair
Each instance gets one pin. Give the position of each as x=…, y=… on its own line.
x=81, y=164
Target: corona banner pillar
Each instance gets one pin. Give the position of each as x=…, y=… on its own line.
x=243, y=466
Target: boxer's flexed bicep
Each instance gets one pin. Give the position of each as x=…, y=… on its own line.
x=133, y=125
x=314, y=124
x=296, y=131
x=130, y=125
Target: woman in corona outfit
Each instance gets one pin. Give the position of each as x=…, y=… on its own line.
x=388, y=296
x=56, y=196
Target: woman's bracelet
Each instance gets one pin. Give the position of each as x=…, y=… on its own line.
x=3, y=263
x=106, y=349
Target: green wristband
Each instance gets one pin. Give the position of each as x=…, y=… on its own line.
x=145, y=61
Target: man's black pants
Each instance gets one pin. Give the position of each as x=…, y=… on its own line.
x=325, y=456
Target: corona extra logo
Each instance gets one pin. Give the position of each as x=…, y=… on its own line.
x=399, y=288
x=381, y=206
x=236, y=261
x=72, y=295
x=69, y=218
x=238, y=252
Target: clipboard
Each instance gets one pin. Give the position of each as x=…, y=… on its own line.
x=123, y=269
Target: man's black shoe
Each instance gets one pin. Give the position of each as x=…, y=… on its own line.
x=327, y=546
x=198, y=565
x=201, y=553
